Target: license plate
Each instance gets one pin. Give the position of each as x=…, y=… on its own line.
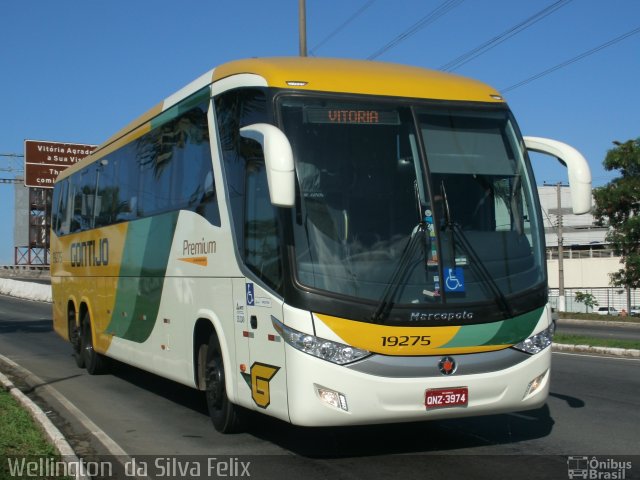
x=446, y=397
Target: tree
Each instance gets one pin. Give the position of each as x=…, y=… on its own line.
x=618, y=205
x=588, y=299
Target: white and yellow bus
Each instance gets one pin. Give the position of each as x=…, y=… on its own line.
x=330, y=242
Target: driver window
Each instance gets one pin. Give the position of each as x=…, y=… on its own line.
x=261, y=245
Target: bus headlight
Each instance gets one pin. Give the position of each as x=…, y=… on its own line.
x=319, y=347
x=538, y=342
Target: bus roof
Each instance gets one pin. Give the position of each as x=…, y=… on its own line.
x=316, y=74
x=360, y=77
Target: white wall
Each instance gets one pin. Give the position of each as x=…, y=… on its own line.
x=583, y=272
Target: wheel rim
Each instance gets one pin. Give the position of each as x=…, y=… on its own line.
x=215, y=383
x=74, y=336
x=87, y=345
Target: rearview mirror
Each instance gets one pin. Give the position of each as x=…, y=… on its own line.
x=577, y=166
x=278, y=159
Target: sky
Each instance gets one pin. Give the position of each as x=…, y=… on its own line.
x=77, y=71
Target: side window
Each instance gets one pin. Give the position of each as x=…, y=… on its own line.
x=107, y=193
x=83, y=186
x=88, y=197
x=253, y=216
x=74, y=210
x=64, y=211
x=193, y=186
x=261, y=245
x=234, y=110
x=175, y=167
x=167, y=169
x=155, y=158
x=127, y=174
x=59, y=208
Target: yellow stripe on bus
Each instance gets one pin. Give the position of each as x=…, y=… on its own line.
x=390, y=340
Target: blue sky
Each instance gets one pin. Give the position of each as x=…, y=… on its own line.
x=78, y=70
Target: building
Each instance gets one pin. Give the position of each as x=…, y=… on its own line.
x=587, y=260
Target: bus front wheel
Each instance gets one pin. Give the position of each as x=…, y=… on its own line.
x=225, y=416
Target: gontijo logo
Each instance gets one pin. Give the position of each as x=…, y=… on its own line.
x=90, y=253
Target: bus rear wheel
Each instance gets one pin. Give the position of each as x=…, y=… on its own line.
x=76, y=342
x=93, y=361
x=225, y=416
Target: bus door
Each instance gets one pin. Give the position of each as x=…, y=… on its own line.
x=259, y=349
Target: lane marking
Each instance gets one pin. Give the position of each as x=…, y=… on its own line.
x=597, y=356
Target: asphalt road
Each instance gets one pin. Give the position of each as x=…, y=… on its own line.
x=600, y=329
x=593, y=410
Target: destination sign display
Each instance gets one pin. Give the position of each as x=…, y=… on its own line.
x=351, y=115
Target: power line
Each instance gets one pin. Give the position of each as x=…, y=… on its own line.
x=504, y=36
x=17, y=171
x=428, y=19
x=342, y=26
x=572, y=60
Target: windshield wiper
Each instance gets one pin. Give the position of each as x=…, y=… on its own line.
x=499, y=297
x=391, y=290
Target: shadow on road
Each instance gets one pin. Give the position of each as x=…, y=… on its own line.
x=173, y=391
x=573, y=402
x=403, y=438
x=339, y=442
x=27, y=326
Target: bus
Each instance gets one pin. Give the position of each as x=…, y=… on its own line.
x=329, y=242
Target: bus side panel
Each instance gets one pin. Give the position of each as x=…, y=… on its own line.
x=83, y=267
x=59, y=300
x=154, y=317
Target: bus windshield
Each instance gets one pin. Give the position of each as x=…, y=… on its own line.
x=433, y=203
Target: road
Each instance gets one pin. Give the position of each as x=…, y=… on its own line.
x=593, y=410
x=630, y=331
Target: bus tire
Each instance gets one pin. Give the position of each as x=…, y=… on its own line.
x=225, y=416
x=75, y=338
x=95, y=363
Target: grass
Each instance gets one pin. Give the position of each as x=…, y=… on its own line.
x=595, y=316
x=19, y=435
x=595, y=342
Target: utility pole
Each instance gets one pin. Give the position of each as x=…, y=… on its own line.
x=302, y=27
x=561, y=299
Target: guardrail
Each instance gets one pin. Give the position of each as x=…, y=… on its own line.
x=30, y=271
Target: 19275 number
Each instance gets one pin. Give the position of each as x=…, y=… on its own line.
x=406, y=340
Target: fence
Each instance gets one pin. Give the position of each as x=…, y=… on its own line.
x=615, y=297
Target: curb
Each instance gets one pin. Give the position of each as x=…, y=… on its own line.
x=617, y=352
x=54, y=436
x=597, y=323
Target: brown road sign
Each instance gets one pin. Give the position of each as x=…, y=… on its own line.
x=43, y=161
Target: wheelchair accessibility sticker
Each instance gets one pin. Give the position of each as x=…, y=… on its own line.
x=251, y=299
x=454, y=279
x=254, y=301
